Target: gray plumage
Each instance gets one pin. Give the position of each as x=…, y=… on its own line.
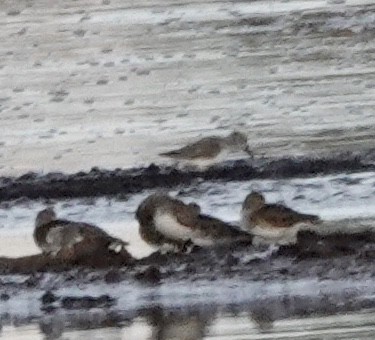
x=273, y=223
x=168, y=221
x=68, y=238
x=210, y=147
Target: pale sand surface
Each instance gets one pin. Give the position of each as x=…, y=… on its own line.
x=112, y=84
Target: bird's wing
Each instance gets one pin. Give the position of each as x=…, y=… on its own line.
x=55, y=236
x=90, y=231
x=205, y=148
x=68, y=233
x=213, y=227
x=277, y=215
x=176, y=220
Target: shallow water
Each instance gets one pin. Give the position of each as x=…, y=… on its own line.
x=283, y=318
x=335, y=197
x=347, y=326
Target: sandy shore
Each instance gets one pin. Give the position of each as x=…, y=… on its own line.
x=110, y=84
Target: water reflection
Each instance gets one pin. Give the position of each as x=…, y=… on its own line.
x=282, y=317
x=96, y=321
x=178, y=325
x=262, y=318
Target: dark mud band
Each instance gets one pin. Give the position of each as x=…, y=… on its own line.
x=99, y=182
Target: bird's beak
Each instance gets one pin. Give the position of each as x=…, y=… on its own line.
x=249, y=152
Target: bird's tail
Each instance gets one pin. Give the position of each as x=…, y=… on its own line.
x=313, y=219
x=170, y=154
x=116, y=245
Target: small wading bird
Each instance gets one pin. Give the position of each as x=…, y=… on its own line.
x=273, y=222
x=172, y=225
x=70, y=240
x=210, y=150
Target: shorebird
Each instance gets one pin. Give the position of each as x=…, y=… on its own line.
x=210, y=150
x=69, y=239
x=170, y=224
x=272, y=221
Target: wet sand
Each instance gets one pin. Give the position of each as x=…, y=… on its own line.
x=124, y=182
x=114, y=84
x=339, y=268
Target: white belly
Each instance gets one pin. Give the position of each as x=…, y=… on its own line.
x=276, y=235
x=204, y=163
x=167, y=224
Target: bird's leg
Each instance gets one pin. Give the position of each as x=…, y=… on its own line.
x=249, y=152
x=273, y=248
x=187, y=247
